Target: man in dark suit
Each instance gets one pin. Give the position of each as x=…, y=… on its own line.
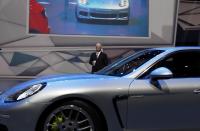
x=98, y=59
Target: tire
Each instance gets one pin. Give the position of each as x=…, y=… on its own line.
x=72, y=116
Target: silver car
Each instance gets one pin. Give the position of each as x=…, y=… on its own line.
x=154, y=89
x=103, y=10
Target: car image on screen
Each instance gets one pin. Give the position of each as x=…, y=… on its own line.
x=116, y=10
x=38, y=20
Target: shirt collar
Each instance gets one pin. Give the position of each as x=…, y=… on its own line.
x=98, y=53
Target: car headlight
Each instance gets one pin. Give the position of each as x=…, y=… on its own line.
x=123, y=3
x=25, y=93
x=82, y=2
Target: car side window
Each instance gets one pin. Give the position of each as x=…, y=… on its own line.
x=133, y=64
x=184, y=64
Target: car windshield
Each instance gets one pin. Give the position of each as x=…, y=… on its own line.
x=129, y=64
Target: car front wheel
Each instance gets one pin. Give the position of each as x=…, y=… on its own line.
x=73, y=116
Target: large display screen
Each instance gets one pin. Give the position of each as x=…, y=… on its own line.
x=65, y=23
x=90, y=17
x=112, y=22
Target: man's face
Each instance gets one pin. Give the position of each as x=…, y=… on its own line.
x=98, y=47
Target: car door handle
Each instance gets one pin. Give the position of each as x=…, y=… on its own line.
x=197, y=91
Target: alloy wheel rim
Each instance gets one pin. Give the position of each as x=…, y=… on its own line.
x=69, y=118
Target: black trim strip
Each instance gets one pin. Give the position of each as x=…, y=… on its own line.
x=115, y=100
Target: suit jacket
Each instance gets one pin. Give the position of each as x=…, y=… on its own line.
x=101, y=61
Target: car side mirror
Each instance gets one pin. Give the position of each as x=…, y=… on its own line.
x=158, y=74
x=161, y=73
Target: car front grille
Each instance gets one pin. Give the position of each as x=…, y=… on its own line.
x=99, y=15
x=121, y=15
x=83, y=13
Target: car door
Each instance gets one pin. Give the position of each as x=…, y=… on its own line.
x=171, y=103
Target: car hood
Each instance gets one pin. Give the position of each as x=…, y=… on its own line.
x=53, y=78
x=104, y=4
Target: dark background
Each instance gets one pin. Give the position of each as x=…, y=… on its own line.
x=188, y=29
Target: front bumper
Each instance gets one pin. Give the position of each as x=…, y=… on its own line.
x=20, y=116
x=102, y=14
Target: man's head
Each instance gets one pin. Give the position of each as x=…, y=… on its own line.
x=98, y=47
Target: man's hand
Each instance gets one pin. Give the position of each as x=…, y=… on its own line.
x=93, y=63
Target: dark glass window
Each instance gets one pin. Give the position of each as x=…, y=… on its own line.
x=182, y=64
x=128, y=65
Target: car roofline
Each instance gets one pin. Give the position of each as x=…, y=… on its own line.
x=177, y=48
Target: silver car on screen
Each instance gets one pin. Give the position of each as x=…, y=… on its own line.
x=154, y=89
x=103, y=10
